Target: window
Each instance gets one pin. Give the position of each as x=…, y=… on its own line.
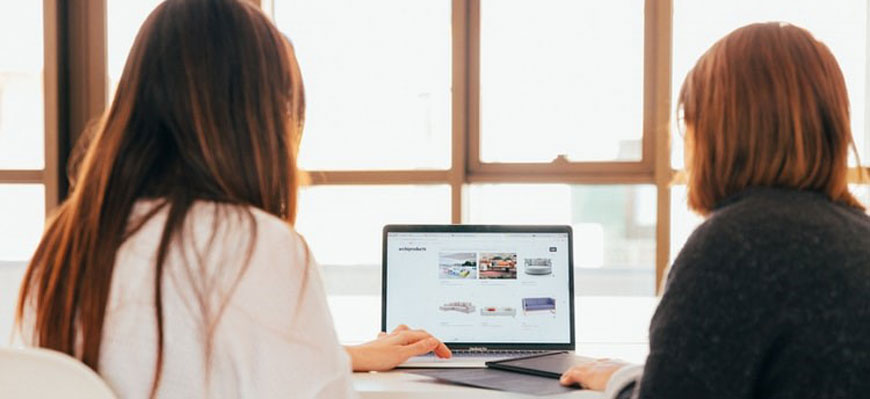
x=123, y=20
x=23, y=163
x=561, y=77
x=560, y=111
x=343, y=223
x=378, y=78
x=614, y=228
x=841, y=25
x=22, y=206
x=459, y=111
x=27, y=143
x=453, y=111
x=683, y=221
x=21, y=96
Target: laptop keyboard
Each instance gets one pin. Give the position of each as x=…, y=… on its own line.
x=494, y=352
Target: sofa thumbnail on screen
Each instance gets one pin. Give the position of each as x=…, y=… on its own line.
x=501, y=265
x=457, y=265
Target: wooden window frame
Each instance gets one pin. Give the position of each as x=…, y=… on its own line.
x=76, y=93
x=467, y=168
x=74, y=87
x=48, y=175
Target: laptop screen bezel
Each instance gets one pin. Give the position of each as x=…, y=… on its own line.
x=468, y=228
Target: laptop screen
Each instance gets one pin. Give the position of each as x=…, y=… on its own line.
x=476, y=287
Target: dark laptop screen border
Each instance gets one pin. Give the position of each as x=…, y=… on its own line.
x=469, y=228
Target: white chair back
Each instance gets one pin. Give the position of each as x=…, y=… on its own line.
x=40, y=373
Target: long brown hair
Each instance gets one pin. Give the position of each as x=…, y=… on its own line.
x=766, y=106
x=209, y=107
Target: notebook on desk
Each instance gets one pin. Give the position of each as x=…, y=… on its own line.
x=488, y=292
x=550, y=365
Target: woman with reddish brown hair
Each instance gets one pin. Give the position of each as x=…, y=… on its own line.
x=770, y=296
x=173, y=269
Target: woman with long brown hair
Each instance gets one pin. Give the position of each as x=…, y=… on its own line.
x=172, y=269
x=770, y=296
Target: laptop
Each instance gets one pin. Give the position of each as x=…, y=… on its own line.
x=489, y=292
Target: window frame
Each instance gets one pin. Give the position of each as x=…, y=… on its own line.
x=76, y=93
x=467, y=168
x=47, y=176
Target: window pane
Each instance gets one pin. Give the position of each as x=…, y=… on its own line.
x=862, y=193
x=21, y=94
x=377, y=81
x=343, y=224
x=123, y=18
x=567, y=73
x=22, y=215
x=683, y=220
x=614, y=228
x=11, y=275
x=839, y=24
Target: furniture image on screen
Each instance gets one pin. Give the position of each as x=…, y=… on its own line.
x=538, y=266
x=539, y=270
x=498, y=311
x=462, y=307
x=457, y=272
x=539, y=305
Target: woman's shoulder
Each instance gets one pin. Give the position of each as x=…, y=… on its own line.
x=215, y=236
x=209, y=211
x=243, y=224
x=768, y=227
x=785, y=209
x=261, y=286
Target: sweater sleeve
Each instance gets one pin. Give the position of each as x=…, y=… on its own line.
x=623, y=381
x=707, y=338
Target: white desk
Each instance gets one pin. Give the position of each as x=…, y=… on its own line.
x=398, y=384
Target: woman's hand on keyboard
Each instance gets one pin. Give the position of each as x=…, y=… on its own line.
x=393, y=349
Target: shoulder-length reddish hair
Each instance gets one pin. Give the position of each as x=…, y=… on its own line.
x=766, y=106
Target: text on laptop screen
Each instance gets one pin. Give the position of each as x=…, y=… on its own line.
x=480, y=287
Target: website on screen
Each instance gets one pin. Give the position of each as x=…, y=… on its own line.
x=480, y=287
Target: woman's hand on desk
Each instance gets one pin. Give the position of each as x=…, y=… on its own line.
x=393, y=349
x=593, y=375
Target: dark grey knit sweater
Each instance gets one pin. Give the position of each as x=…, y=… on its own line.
x=769, y=298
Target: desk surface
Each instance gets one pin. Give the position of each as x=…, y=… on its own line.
x=398, y=384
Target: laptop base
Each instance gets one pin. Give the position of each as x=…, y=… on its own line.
x=467, y=360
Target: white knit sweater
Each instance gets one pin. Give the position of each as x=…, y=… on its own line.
x=271, y=336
